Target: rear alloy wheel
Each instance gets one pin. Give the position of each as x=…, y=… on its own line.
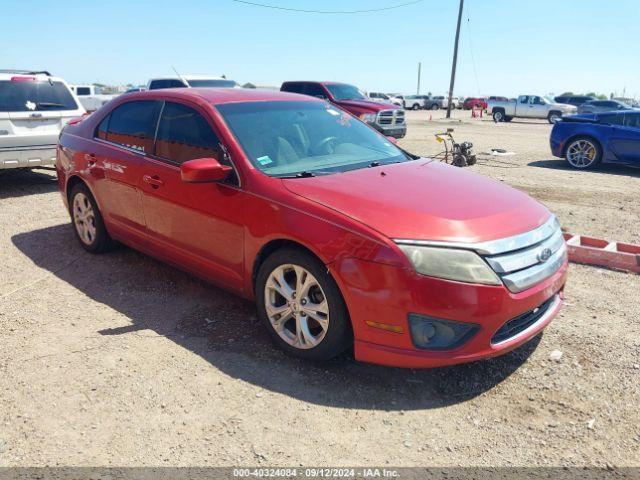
x=301, y=306
x=87, y=221
x=583, y=153
x=498, y=116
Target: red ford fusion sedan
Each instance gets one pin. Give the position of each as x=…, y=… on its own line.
x=341, y=238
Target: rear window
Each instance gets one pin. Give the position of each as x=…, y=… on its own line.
x=83, y=91
x=132, y=125
x=165, y=83
x=35, y=96
x=215, y=83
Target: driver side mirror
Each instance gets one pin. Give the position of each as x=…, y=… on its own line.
x=204, y=170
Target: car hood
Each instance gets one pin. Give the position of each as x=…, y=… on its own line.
x=366, y=105
x=425, y=200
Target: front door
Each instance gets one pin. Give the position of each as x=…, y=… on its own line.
x=199, y=226
x=625, y=139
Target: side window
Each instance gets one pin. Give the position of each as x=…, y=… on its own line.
x=523, y=99
x=293, y=88
x=101, y=131
x=184, y=134
x=535, y=101
x=632, y=120
x=83, y=91
x=314, y=90
x=133, y=125
x=611, y=119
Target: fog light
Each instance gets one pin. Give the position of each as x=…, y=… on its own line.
x=434, y=334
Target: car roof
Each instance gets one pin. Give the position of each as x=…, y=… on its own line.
x=190, y=77
x=218, y=96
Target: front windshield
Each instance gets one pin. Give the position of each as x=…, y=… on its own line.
x=288, y=139
x=549, y=100
x=342, y=91
x=218, y=83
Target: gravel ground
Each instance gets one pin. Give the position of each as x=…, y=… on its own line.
x=121, y=360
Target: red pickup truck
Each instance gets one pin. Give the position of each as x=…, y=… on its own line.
x=387, y=118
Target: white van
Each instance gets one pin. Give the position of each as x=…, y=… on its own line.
x=190, y=81
x=34, y=106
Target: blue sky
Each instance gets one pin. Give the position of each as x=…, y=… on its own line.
x=516, y=46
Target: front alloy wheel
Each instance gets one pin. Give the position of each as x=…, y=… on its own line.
x=301, y=305
x=296, y=306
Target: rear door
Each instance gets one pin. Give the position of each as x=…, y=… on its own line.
x=522, y=106
x=123, y=139
x=198, y=225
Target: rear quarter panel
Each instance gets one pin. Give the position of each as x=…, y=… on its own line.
x=563, y=132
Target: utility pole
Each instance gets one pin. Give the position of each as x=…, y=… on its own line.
x=419, y=68
x=455, y=60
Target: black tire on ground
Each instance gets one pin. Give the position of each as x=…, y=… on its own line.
x=498, y=116
x=596, y=145
x=508, y=119
x=339, y=336
x=415, y=106
x=435, y=107
x=553, y=117
x=102, y=242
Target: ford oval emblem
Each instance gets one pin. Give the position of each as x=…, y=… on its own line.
x=544, y=255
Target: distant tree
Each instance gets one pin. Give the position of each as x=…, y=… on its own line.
x=102, y=85
x=566, y=94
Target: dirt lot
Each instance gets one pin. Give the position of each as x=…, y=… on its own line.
x=121, y=360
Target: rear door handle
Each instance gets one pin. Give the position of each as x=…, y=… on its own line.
x=154, y=181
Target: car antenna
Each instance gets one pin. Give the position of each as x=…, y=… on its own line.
x=184, y=80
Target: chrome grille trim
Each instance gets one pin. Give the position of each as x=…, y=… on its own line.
x=523, y=279
x=390, y=117
x=510, y=262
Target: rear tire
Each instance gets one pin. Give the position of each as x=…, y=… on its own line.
x=554, y=117
x=583, y=153
x=415, y=106
x=316, y=323
x=86, y=218
x=435, y=107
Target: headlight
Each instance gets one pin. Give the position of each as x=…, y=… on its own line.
x=368, y=117
x=451, y=264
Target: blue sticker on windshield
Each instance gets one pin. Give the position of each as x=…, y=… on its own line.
x=266, y=160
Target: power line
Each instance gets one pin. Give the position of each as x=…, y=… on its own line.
x=473, y=60
x=299, y=10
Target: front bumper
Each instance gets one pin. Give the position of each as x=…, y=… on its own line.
x=395, y=131
x=388, y=294
x=27, y=157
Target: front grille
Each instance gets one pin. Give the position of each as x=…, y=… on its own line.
x=520, y=323
x=391, y=117
x=530, y=258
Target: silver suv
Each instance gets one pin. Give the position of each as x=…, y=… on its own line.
x=34, y=106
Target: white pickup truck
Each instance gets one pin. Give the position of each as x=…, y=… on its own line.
x=529, y=106
x=91, y=97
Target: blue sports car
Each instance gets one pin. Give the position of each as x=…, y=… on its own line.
x=586, y=140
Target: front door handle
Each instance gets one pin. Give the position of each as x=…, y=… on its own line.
x=154, y=181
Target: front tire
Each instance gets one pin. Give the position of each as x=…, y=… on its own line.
x=415, y=106
x=88, y=225
x=301, y=306
x=435, y=107
x=583, y=153
x=498, y=116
